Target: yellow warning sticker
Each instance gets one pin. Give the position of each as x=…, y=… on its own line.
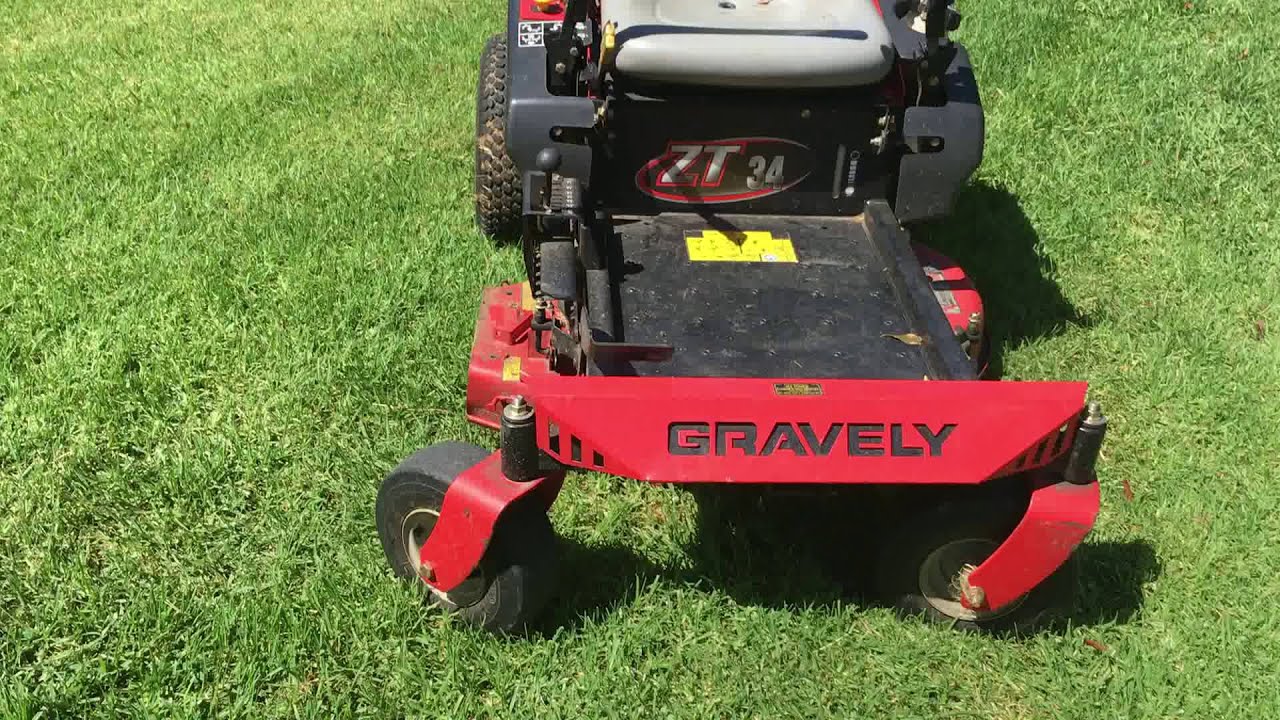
x=741, y=246
x=526, y=297
x=511, y=369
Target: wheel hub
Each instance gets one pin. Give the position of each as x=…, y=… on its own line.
x=415, y=529
x=944, y=573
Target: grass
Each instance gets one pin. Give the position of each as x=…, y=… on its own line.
x=237, y=279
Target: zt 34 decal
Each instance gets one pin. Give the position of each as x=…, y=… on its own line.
x=724, y=171
x=806, y=440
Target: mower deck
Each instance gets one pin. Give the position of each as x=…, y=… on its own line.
x=852, y=301
x=706, y=305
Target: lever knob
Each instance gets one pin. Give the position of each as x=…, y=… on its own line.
x=548, y=160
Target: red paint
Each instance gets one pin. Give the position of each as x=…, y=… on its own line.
x=951, y=278
x=1058, y=518
x=529, y=11
x=502, y=330
x=471, y=509
x=993, y=422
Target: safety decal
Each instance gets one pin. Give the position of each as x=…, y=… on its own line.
x=739, y=246
x=533, y=34
x=526, y=297
x=511, y=369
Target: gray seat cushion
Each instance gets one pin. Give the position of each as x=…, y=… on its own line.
x=751, y=43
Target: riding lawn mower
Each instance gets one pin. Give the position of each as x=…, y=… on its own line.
x=715, y=200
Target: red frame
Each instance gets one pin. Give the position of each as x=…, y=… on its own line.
x=529, y=11
x=1058, y=518
x=623, y=426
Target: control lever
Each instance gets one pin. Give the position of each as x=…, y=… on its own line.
x=548, y=162
x=939, y=18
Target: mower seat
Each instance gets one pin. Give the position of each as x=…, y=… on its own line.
x=751, y=43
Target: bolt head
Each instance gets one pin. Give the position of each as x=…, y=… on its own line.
x=1093, y=414
x=426, y=572
x=974, y=596
x=517, y=409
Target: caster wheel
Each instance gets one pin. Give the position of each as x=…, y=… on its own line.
x=498, y=191
x=920, y=568
x=517, y=575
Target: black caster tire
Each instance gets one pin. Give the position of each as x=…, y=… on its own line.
x=918, y=569
x=518, y=573
x=498, y=190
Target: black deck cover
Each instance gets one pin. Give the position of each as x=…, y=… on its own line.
x=831, y=314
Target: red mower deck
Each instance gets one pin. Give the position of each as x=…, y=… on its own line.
x=787, y=430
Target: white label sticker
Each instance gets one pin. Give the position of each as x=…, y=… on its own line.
x=533, y=34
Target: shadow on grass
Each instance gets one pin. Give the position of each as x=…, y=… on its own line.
x=992, y=239
x=813, y=550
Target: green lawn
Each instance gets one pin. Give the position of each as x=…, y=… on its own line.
x=238, y=274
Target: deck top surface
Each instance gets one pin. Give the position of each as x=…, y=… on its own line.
x=830, y=313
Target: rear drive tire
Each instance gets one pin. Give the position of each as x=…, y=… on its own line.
x=918, y=569
x=517, y=575
x=498, y=192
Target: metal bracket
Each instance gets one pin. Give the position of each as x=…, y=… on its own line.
x=1058, y=518
x=471, y=510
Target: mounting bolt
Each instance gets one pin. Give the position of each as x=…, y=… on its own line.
x=517, y=410
x=973, y=331
x=426, y=572
x=974, y=596
x=1093, y=414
